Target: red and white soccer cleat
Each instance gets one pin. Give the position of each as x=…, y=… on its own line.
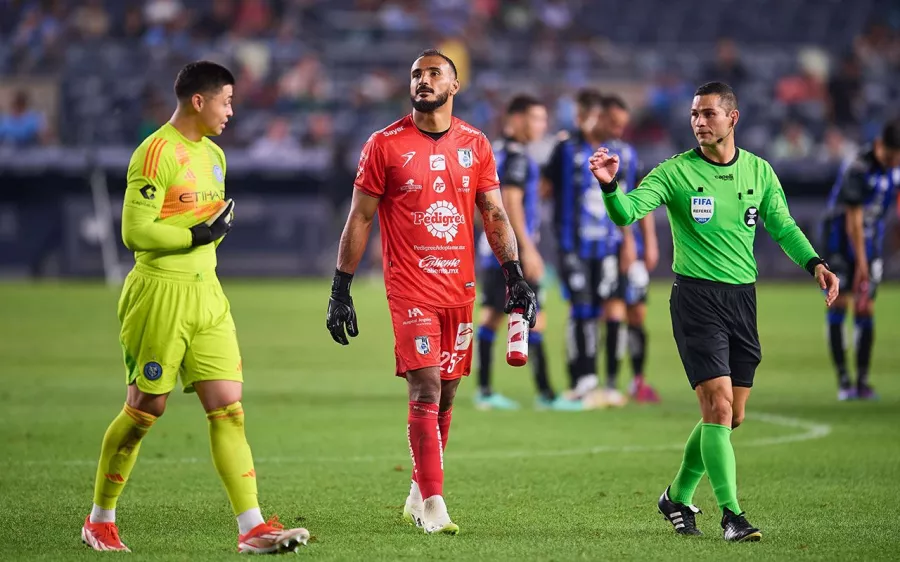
x=271, y=537
x=102, y=536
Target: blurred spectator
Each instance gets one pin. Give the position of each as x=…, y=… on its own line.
x=878, y=49
x=845, y=92
x=556, y=15
x=808, y=85
x=793, y=142
x=133, y=25
x=91, y=20
x=23, y=126
x=253, y=17
x=217, y=21
x=399, y=16
x=162, y=12
x=277, y=144
x=304, y=84
x=835, y=147
x=727, y=66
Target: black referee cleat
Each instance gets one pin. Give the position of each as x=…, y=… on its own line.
x=681, y=516
x=738, y=529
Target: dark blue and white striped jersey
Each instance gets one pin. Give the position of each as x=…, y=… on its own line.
x=627, y=179
x=863, y=182
x=580, y=221
x=516, y=170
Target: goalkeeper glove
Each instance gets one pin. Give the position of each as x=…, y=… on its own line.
x=518, y=294
x=340, y=309
x=215, y=227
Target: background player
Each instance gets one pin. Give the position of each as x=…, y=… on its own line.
x=588, y=246
x=631, y=301
x=424, y=174
x=176, y=321
x=713, y=301
x=526, y=122
x=854, y=233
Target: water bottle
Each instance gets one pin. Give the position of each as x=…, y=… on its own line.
x=517, y=339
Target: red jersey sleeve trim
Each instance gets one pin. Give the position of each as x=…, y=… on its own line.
x=367, y=191
x=488, y=188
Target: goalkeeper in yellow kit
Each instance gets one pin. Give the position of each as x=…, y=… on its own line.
x=175, y=319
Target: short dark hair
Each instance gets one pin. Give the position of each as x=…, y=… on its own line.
x=589, y=98
x=724, y=91
x=614, y=100
x=890, y=135
x=201, y=77
x=522, y=103
x=436, y=53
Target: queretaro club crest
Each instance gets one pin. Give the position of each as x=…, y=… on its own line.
x=465, y=157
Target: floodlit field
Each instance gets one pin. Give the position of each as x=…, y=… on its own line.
x=327, y=426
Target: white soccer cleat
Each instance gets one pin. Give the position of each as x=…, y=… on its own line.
x=414, y=509
x=436, y=520
x=271, y=537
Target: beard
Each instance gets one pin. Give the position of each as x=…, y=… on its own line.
x=425, y=106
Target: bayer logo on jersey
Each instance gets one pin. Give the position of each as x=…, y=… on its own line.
x=702, y=208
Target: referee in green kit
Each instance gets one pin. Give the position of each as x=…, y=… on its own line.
x=715, y=195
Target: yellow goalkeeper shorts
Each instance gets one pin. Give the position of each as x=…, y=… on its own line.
x=176, y=324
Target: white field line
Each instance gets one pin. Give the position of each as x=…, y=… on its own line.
x=806, y=431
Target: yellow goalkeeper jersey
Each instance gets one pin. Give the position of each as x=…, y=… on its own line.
x=173, y=183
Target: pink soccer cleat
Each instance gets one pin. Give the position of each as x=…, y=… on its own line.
x=102, y=536
x=271, y=537
x=643, y=392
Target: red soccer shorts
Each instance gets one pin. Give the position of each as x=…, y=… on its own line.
x=428, y=336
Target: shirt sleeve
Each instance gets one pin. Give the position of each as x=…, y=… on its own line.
x=370, y=174
x=853, y=186
x=626, y=208
x=150, y=172
x=553, y=166
x=487, y=176
x=515, y=170
x=781, y=226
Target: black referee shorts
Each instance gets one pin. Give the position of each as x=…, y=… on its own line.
x=714, y=325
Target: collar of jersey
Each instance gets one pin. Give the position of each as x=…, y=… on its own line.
x=737, y=152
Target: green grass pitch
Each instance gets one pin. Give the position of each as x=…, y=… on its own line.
x=327, y=426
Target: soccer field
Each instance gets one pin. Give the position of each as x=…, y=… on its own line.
x=327, y=427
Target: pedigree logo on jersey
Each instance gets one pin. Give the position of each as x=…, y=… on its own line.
x=442, y=220
x=702, y=209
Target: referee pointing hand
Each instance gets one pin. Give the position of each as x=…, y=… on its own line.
x=715, y=195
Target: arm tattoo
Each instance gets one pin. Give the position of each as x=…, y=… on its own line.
x=497, y=229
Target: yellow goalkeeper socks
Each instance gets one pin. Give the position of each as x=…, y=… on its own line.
x=232, y=457
x=118, y=454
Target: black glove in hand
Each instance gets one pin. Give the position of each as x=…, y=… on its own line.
x=518, y=293
x=215, y=227
x=340, y=309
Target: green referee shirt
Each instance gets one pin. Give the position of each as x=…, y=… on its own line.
x=714, y=210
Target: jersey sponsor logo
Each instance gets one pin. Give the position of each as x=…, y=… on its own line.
x=464, y=155
x=725, y=177
x=439, y=186
x=414, y=312
x=422, y=345
x=464, y=334
x=470, y=130
x=751, y=216
x=393, y=132
x=439, y=266
x=465, y=182
x=148, y=192
x=442, y=220
x=408, y=156
x=152, y=371
x=702, y=208
x=200, y=196
x=440, y=248
x=437, y=163
x=410, y=185
x=218, y=173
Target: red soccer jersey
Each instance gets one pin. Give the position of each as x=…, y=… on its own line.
x=427, y=193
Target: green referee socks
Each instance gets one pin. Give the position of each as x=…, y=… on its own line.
x=231, y=455
x=718, y=458
x=691, y=471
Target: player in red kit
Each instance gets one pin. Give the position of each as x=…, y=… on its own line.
x=424, y=175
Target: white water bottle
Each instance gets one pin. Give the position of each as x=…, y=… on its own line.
x=517, y=339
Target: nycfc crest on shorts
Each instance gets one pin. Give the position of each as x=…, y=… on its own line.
x=422, y=345
x=702, y=208
x=152, y=371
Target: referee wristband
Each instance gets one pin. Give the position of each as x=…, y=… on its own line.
x=813, y=262
x=609, y=187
